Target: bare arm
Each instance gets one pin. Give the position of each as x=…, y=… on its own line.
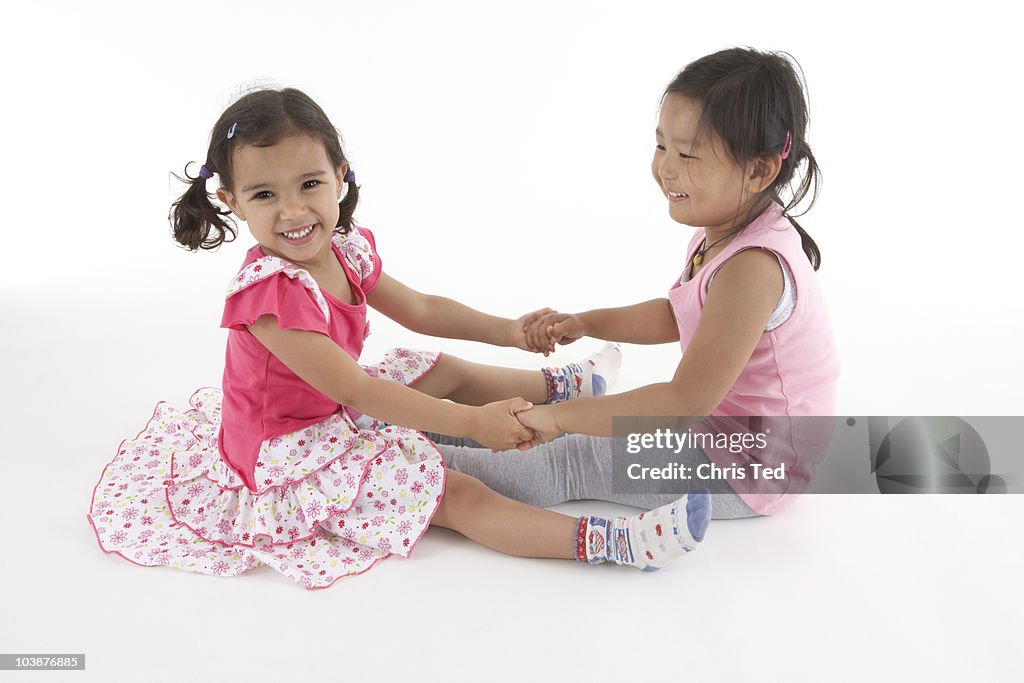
x=746, y=290
x=650, y=322
x=439, y=316
x=328, y=368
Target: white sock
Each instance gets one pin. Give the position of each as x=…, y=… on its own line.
x=590, y=376
x=649, y=540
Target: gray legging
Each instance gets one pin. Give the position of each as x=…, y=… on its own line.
x=573, y=467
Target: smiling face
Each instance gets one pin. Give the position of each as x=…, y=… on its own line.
x=704, y=186
x=288, y=196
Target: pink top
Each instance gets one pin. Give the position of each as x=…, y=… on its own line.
x=792, y=371
x=262, y=397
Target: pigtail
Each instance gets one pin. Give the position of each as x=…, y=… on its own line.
x=196, y=222
x=347, y=208
x=809, y=182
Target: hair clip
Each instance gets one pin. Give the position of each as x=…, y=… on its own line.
x=786, y=146
x=350, y=176
x=231, y=130
x=205, y=173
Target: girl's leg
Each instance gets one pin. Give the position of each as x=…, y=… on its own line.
x=648, y=541
x=503, y=524
x=575, y=467
x=474, y=384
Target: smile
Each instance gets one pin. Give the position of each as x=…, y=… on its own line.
x=677, y=196
x=299, y=234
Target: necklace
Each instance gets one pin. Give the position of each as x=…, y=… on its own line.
x=698, y=258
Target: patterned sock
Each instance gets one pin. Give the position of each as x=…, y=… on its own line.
x=650, y=540
x=588, y=377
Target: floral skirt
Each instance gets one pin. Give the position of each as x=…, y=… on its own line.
x=333, y=498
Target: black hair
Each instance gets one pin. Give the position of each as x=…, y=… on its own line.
x=261, y=118
x=751, y=100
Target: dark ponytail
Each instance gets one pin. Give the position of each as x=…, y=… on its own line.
x=751, y=100
x=347, y=207
x=194, y=217
x=260, y=118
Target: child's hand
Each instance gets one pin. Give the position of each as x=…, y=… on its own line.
x=542, y=421
x=517, y=333
x=555, y=328
x=496, y=427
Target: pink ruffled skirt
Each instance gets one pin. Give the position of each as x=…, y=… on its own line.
x=333, y=498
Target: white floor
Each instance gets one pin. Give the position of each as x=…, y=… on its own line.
x=836, y=588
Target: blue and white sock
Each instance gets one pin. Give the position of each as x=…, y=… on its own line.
x=649, y=540
x=588, y=377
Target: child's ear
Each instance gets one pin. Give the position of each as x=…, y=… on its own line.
x=228, y=198
x=762, y=172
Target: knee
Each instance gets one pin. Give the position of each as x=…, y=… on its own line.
x=463, y=495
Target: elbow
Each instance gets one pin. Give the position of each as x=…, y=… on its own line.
x=686, y=402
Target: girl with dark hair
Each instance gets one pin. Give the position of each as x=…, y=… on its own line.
x=284, y=467
x=732, y=160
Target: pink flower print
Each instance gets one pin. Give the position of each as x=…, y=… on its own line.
x=293, y=533
x=411, y=364
x=402, y=353
x=275, y=442
x=296, y=553
x=433, y=477
x=276, y=470
x=336, y=483
x=377, y=521
x=384, y=545
x=194, y=460
x=322, y=459
x=347, y=561
x=396, y=375
x=127, y=467
x=145, y=534
x=416, y=487
x=146, y=521
x=349, y=535
x=257, y=268
x=401, y=476
x=130, y=513
x=181, y=511
x=219, y=567
x=365, y=555
x=224, y=526
x=118, y=537
x=333, y=552
x=404, y=527
x=152, y=464
x=279, y=530
x=333, y=439
x=423, y=468
x=379, y=505
x=313, y=509
x=405, y=542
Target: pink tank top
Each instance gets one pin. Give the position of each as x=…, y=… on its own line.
x=791, y=373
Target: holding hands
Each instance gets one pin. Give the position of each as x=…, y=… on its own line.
x=545, y=328
x=514, y=424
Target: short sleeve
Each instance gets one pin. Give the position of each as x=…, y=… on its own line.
x=295, y=305
x=360, y=251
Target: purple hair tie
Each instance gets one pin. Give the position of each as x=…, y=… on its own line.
x=787, y=145
x=231, y=130
x=350, y=177
x=205, y=173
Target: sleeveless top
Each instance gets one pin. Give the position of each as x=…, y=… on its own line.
x=791, y=373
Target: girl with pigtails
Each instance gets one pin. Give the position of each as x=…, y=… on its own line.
x=284, y=465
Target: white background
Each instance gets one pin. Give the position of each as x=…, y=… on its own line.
x=503, y=154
